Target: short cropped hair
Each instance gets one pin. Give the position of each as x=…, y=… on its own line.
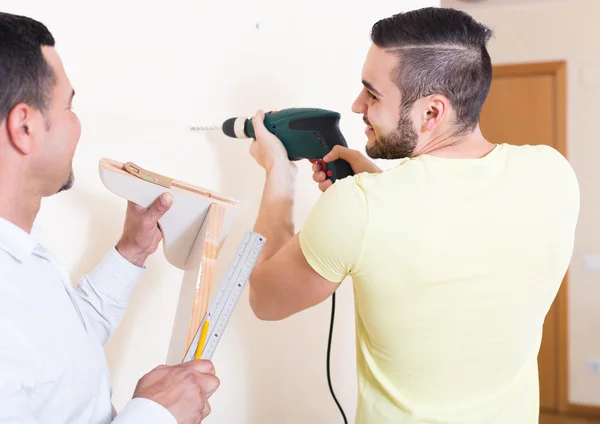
x=25, y=76
x=441, y=51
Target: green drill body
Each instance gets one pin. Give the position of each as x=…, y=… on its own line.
x=306, y=133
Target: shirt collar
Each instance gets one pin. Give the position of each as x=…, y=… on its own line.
x=16, y=241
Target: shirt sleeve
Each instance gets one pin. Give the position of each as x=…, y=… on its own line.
x=140, y=410
x=103, y=294
x=332, y=237
x=16, y=368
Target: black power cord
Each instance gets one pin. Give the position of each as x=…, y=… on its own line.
x=329, y=358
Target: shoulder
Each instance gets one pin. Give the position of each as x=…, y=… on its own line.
x=552, y=174
x=358, y=190
x=17, y=315
x=546, y=159
x=400, y=178
x=347, y=191
x=543, y=153
x=342, y=206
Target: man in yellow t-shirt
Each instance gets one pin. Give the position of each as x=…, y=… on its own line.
x=455, y=254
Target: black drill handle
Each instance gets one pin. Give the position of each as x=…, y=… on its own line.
x=335, y=170
x=339, y=169
x=329, y=133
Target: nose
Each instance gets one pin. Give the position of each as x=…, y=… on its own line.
x=359, y=106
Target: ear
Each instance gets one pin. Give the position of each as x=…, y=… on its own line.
x=21, y=126
x=436, y=109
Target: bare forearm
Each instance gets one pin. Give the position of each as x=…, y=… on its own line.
x=275, y=217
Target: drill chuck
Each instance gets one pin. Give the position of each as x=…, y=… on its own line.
x=235, y=127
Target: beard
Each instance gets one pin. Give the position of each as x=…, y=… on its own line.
x=69, y=183
x=397, y=144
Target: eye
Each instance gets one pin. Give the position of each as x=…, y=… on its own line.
x=371, y=96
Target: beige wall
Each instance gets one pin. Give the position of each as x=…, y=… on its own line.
x=566, y=30
x=146, y=71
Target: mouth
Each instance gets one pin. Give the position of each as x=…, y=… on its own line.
x=369, y=127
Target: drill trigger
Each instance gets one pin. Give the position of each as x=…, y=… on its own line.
x=321, y=163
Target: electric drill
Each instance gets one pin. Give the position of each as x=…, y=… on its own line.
x=306, y=133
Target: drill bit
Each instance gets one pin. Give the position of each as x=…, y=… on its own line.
x=206, y=128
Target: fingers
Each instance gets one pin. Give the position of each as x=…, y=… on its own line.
x=202, y=371
x=339, y=152
x=205, y=372
x=160, y=367
x=319, y=176
x=324, y=185
x=206, y=410
x=258, y=122
x=203, y=366
x=209, y=384
x=336, y=153
x=160, y=206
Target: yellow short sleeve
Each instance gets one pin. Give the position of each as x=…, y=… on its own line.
x=332, y=236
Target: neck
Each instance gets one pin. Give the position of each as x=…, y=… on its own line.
x=467, y=146
x=19, y=201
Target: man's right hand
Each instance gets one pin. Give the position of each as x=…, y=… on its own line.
x=358, y=162
x=182, y=389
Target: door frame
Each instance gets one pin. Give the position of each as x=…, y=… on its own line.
x=558, y=70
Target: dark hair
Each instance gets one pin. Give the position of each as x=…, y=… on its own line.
x=25, y=76
x=441, y=51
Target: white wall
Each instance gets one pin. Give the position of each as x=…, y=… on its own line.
x=143, y=73
x=566, y=30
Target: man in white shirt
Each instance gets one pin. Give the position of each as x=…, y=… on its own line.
x=52, y=363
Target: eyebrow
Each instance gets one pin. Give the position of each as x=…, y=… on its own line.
x=370, y=87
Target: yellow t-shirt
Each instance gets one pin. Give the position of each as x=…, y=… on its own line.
x=454, y=263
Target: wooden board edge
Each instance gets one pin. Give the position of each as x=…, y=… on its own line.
x=116, y=166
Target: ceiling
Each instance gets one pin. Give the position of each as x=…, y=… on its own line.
x=469, y=4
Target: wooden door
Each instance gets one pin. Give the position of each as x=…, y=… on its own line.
x=527, y=105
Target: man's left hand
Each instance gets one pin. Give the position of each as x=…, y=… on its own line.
x=141, y=233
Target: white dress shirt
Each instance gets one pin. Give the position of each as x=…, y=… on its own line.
x=52, y=363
